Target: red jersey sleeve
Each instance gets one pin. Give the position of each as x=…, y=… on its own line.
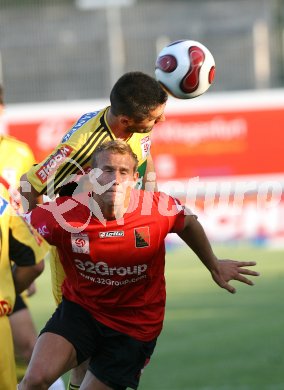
x=43, y=221
x=175, y=211
x=49, y=218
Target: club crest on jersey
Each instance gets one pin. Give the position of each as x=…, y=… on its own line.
x=53, y=162
x=80, y=243
x=142, y=237
x=115, y=233
x=3, y=205
x=42, y=230
x=5, y=308
x=145, y=146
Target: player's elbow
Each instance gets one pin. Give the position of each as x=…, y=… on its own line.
x=23, y=183
x=28, y=194
x=38, y=268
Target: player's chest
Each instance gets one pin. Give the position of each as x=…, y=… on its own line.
x=112, y=243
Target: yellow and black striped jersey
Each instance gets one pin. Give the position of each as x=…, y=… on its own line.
x=75, y=151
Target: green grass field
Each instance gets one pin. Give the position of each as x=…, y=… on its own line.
x=212, y=340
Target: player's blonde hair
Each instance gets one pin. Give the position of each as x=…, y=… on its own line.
x=117, y=146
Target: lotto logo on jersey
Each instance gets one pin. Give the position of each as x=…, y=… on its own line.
x=145, y=146
x=80, y=243
x=3, y=205
x=117, y=233
x=53, y=162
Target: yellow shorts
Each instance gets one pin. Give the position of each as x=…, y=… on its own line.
x=57, y=274
x=8, y=378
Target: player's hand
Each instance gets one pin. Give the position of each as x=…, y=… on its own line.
x=31, y=290
x=15, y=198
x=233, y=270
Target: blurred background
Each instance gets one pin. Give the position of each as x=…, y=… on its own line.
x=76, y=49
x=222, y=153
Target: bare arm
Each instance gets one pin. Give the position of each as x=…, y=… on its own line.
x=149, y=182
x=29, y=196
x=222, y=271
x=24, y=276
x=26, y=252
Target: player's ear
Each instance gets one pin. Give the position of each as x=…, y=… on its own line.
x=125, y=120
x=136, y=176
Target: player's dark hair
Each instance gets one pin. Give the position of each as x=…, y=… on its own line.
x=115, y=146
x=135, y=94
x=1, y=95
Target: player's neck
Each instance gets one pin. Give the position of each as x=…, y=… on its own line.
x=115, y=126
x=109, y=210
x=113, y=212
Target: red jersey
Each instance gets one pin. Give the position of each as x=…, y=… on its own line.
x=114, y=269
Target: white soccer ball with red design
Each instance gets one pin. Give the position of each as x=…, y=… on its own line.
x=185, y=69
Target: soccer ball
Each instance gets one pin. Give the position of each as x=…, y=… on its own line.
x=185, y=69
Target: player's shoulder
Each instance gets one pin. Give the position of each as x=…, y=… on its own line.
x=79, y=198
x=14, y=146
x=84, y=124
x=163, y=201
x=154, y=197
x=55, y=209
x=15, y=142
x=76, y=204
x=159, y=196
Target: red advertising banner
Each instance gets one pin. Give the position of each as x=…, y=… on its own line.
x=223, y=135
x=219, y=144
x=42, y=134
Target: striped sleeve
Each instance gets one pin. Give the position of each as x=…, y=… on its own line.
x=71, y=156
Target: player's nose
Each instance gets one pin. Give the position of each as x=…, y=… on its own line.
x=117, y=177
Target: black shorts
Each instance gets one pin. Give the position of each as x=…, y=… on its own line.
x=19, y=304
x=116, y=358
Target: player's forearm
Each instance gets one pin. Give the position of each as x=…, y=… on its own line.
x=149, y=182
x=195, y=237
x=24, y=276
x=29, y=196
